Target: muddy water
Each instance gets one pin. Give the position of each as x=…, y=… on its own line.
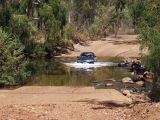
x=69, y=73
x=66, y=72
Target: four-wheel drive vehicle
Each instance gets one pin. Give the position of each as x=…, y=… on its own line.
x=86, y=57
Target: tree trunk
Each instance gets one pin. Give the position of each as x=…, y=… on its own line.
x=69, y=18
x=40, y=24
x=116, y=27
x=30, y=9
x=3, y=3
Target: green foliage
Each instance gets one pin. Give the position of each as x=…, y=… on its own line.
x=35, y=50
x=37, y=66
x=53, y=10
x=109, y=19
x=53, y=16
x=119, y=4
x=53, y=32
x=150, y=33
x=68, y=31
x=137, y=10
x=23, y=6
x=94, y=31
x=153, y=43
x=100, y=23
x=21, y=27
x=84, y=12
x=5, y=15
x=150, y=37
x=45, y=11
x=59, y=12
x=39, y=51
x=13, y=67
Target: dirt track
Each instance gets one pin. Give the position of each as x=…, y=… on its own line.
x=72, y=103
x=123, y=46
x=58, y=103
x=51, y=95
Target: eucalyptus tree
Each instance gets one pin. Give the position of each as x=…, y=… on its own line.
x=84, y=12
x=52, y=14
x=117, y=14
x=136, y=8
x=69, y=7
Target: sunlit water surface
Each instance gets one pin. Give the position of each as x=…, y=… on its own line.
x=64, y=72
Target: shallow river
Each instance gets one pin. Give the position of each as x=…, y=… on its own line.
x=66, y=72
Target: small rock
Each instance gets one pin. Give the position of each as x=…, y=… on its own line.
x=127, y=80
x=109, y=84
x=127, y=93
x=140, y=83
x=123, y=64
x=148, y=75
x=100, y=85
x=112, y=79
x=132, y=73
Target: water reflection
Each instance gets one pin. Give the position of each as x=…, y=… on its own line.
x=55, y=73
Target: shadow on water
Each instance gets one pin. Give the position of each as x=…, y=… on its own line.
x=56, y=73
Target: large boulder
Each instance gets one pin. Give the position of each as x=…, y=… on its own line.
x=127, y=80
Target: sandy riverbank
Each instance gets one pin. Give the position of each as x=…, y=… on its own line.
x=123, y=46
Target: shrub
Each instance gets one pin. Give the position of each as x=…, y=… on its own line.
x=21, y=27
x=13, y=66
x=5, y=15
x=68, y=30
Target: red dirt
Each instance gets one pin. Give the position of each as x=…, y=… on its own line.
x=72, y=103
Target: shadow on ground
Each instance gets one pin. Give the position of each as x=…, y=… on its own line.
x=118, y=42
x=105, y=104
